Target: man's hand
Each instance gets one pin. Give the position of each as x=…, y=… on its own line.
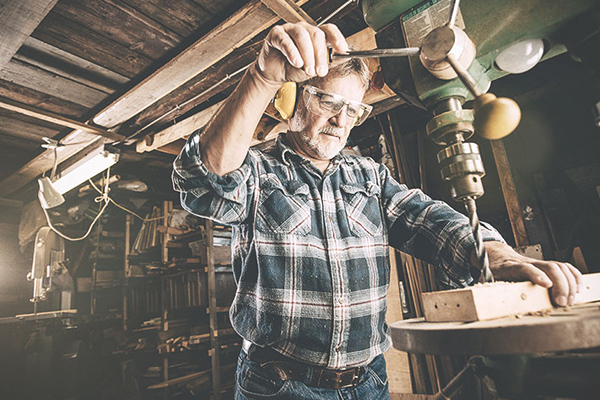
x=508, y=265
x=297, y=52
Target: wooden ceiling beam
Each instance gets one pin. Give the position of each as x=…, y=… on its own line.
x=247, y=22
x=288, y=11
x=18, y=20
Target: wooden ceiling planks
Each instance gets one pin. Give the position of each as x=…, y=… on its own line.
x=76, y=39
x=220, y=8
x=118, y=25
x=288, y=11
x=26, y=75
x=26, y=128
x=183, y=16
x=52, y=59
x=41, y=100
x=18, y=18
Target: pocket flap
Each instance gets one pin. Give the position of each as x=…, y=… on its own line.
x=297, y=187
x=368, y=188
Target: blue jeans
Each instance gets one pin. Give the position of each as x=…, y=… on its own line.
x=253, y=383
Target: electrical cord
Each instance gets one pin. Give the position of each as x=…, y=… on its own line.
x=104, y=197
x=124, y=208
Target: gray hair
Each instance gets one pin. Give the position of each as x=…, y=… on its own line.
x=356, y=66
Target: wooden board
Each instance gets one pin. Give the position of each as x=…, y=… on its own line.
x=18, y=19
x=489, y=301
x=69, y=36
x=34, y=78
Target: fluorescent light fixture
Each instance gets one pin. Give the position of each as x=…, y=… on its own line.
x=521, y=56
x=89, y=166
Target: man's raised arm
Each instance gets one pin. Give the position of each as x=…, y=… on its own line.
x=291, y=52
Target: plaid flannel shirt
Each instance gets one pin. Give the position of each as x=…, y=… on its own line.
x=310, y=250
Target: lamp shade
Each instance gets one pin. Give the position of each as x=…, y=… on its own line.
x=49, y=197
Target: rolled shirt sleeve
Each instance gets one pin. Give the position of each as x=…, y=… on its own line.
x=222, y=198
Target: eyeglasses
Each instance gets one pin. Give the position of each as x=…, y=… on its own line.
x=327, y=104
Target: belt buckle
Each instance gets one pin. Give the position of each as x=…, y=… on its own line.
x=355, y=377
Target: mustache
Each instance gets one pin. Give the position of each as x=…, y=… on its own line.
x=332, y=130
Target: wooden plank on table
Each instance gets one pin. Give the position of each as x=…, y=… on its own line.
x=499, y=299
x=509, y=191
x=49, y=83
x=288, y=11
x=246, y=23
x=18, y=19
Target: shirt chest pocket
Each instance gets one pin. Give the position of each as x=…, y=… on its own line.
x=283, y=206
x=362, y=204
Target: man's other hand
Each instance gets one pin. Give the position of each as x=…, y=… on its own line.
x=508, y=265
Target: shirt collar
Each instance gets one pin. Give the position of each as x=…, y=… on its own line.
x=287, y=153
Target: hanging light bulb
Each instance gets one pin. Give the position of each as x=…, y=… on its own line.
x=521, y=56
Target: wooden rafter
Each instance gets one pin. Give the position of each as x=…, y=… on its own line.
x=288, y=11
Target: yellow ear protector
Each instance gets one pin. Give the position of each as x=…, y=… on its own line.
x=285, y=100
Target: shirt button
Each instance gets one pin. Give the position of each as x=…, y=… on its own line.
x=337, y=349
x=336, y=256
x=341, y=300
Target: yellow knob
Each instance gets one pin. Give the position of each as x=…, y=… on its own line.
x=495, y=118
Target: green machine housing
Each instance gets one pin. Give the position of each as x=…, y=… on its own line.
x=492, y=26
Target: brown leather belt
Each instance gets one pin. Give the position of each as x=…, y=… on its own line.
x=285, y=368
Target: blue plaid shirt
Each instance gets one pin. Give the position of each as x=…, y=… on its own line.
x=310, y=249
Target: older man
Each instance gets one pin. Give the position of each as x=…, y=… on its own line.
x=312, y=227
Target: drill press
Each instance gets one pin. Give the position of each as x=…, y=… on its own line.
x=449, y=71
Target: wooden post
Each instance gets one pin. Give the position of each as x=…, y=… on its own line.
x=396, y=360
x=212, y=307
x=126, y=268
x=510, y=194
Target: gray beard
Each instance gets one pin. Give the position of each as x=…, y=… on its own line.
x=324, y=151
